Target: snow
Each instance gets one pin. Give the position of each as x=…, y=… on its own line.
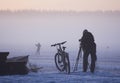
x=77, y=77
x=106, y=72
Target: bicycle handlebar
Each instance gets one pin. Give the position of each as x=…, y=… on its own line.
x=59, y=43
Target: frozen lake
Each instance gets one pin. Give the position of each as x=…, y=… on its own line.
x=107, y=70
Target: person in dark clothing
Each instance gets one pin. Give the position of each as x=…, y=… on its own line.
x=89, y=48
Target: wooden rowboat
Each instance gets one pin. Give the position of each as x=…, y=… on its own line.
x=14, y=65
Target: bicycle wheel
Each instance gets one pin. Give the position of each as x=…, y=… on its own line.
x=59, y=62
x=67, y=63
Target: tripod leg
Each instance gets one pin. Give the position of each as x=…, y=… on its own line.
x=77, y=60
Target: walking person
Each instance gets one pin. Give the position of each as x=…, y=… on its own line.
x=38, y=48
x=89, y=48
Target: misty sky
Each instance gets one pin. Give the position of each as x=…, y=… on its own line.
x=75, y=5
x=23, y=31
x=18, y=31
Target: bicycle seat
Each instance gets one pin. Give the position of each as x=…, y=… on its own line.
x=63, y=47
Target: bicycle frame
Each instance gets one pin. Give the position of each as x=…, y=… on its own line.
x=62, y=58
x=59, y=47
x=60, y=50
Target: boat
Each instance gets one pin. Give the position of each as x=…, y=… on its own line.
x=14, y=65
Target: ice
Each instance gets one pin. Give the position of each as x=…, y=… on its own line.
x=106, y=71
x=98, y=77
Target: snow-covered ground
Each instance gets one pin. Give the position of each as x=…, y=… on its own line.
x=107, y=71
x=78, y=77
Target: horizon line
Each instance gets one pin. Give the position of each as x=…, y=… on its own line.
x=45, y=10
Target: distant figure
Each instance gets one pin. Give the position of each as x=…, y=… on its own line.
x=89, y=47
x=38, y=48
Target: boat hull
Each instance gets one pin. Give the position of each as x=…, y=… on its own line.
x=13, y=66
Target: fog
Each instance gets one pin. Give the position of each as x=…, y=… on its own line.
x=20, y=31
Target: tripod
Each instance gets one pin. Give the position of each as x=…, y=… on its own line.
x=77, y=60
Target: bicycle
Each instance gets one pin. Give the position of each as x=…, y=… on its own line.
x=62, y=58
